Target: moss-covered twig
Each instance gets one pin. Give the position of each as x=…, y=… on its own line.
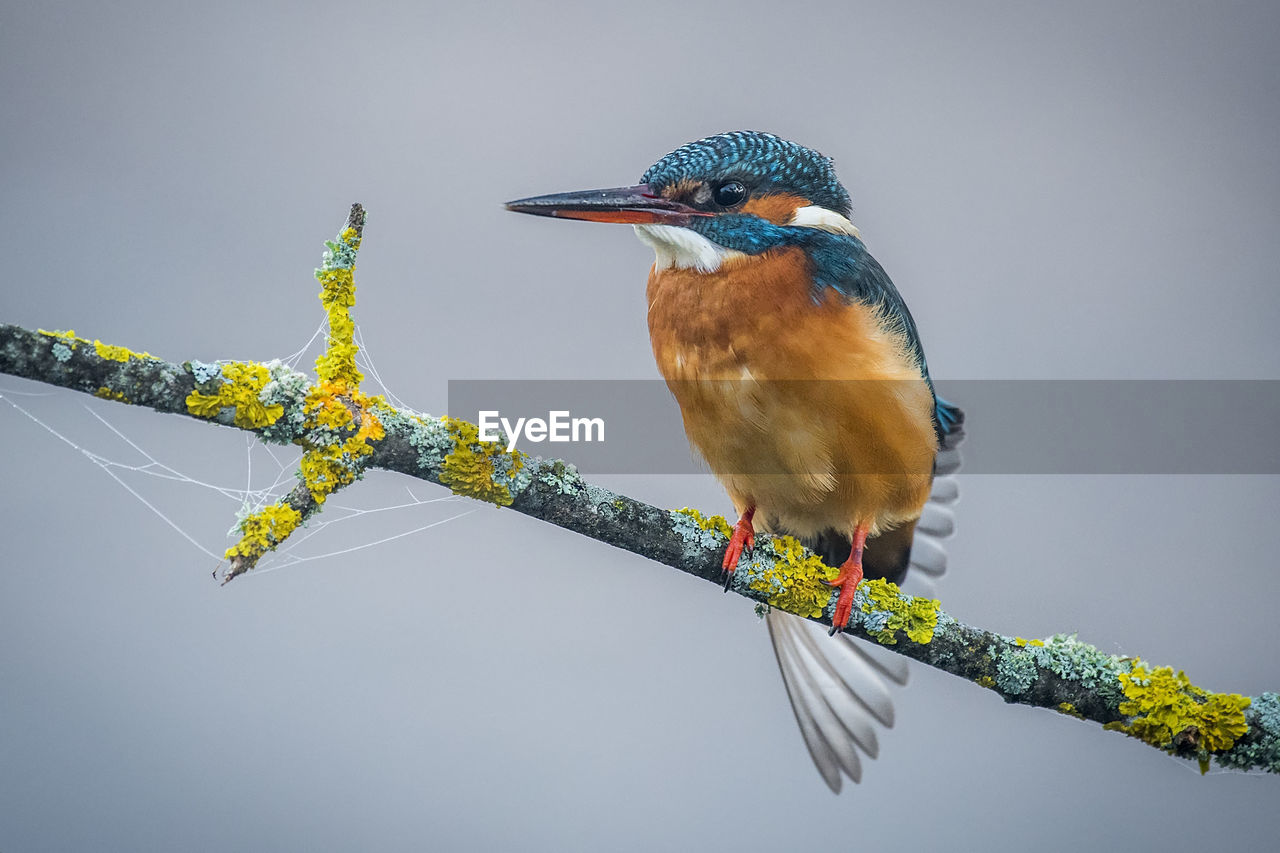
x=343, y=432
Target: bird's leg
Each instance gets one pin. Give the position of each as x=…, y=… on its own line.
x=743, y=538
x=848, y=580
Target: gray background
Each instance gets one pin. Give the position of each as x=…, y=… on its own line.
x=1060, y=192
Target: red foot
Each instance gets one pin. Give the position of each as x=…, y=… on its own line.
x=743, y=538
x=848, y=580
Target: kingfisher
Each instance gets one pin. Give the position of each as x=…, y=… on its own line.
x=802, y=382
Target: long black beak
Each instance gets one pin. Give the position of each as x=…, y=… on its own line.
x=637, y=205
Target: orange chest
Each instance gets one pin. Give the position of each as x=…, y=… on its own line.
x=757, y=314
x=851, y=440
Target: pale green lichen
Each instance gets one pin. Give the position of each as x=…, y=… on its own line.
x=698, y=530
x=603, y=502
x=288, y=389
x=886, y=611
x=204, y=373
x=790, y=579
x=1068, y=658
x=561, y=476
x=341, y=254
x=1167, y=711
x=1016, y=671
x=61, y=352
x=425, y=434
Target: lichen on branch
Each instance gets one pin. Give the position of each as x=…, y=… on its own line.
x=333, y=421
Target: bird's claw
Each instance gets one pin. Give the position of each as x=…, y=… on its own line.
x=848, y=580
x=742, y=540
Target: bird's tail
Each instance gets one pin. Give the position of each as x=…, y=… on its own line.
x=840, y=687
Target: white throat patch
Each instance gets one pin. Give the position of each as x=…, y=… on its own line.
x=683, y=249
x=816, y=216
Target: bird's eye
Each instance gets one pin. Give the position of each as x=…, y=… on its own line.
x=730, y=193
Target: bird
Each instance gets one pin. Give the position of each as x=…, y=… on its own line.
x=802, y=381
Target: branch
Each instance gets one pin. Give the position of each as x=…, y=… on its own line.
x=343, y=432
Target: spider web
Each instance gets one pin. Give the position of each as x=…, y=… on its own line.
x=196, y=496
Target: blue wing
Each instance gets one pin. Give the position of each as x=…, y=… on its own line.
x=842, y=263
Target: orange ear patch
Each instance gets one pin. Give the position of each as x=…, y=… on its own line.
x=778, y=208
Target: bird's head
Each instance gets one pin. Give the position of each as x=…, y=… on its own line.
x=729, y=195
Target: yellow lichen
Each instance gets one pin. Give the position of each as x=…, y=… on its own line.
x=68, y=336
x=1070, y=710
x=263, y=530
x=244, y=383
x=336, y=413
x=327, y=469
x=470, y=467
x=1018, y=641
x=106, y=393
x=338, y=294
x=325, y=407
x=339, y=425
x=1169, y=712
x=710, y=523
x=334, y=406
x=985, y=681
x=110, y=352
x=796, y=582
x=114, y=353
x=890, y=611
